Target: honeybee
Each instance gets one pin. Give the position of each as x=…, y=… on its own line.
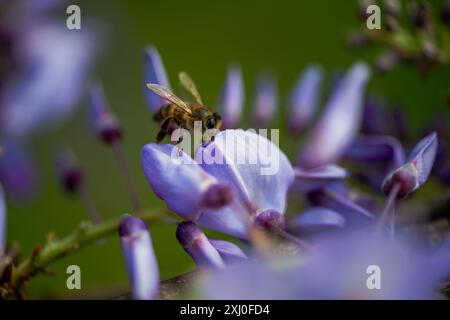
x=180, y=113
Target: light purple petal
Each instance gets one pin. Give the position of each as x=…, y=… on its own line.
x=229, y=252
x=257, y=170
x=266, y=99
x=198, y=246
x=340, y=122
x=232, y=98
x=371, y=149
x=317, y=178
x=354, y=214
x=46, y=92
x=140, y=259
x=3, y=221
x=315, y=219
x=18, y=173
x=177, y=179
x=154, y=72
x=304, y=98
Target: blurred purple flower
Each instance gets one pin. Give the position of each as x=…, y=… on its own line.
x=232, y=98
x=154, y=72
x=414, y=173
x=375, y=121
x=140, y=259
x=317, y=178
x=54, y=65
x=3, y=221
x=18, y=173
x=222, y=194
x=265, y=99
x=69, y=174
x=337, y=268
x=103, y=123
x=304, y=98
x=340, y=123
x=229, y=252
x=197, y=245
x=316, y=219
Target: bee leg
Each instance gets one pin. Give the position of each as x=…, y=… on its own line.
x=165, y=126
x=160, y=136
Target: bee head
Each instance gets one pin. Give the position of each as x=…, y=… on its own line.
x=212, y=122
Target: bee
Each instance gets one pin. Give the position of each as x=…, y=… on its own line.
x=183, y=114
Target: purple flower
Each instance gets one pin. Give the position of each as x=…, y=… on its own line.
x=265, y=100
x=304, y=99
x=140, y=259
x=154, y=72
x=341, y=266
x=232, y=98
x=103, y=123
x=341, y=121
x=68, y=171
x=18, y=173
x=2, y=222
x=316, y=219
x=45, y=91
x=239, y=169
x=317, y=178
x=197, y=245
x=414, y=173
x=229, y=252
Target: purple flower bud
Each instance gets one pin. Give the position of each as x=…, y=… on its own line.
x=317, y=178
x=420, y=14
x=357, y=40
x=197, y=245
x=266, y=99
x=414, y=173
x=2, y=222
x=18, y=172
x=393, y=8
x=68, y=171
x=374, y=120
x=340, y=122
x=217, y=196
x=140, y=259
x=270, y=219
x=154, y=72
x=232, y=98
x=103, y=123
x=304, y=99
x=229, y=252
x=316, y=219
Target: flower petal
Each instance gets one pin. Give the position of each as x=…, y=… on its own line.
x=18, y=173
x=317, y=178
x=229, y=252
x=154, y=72
x=266, y=99
x=232, y=98
x=140, y=259
x=316, y=218
x=354, y=214
x=341, y=121
x=304, y=98
x=46, y=92
x=177, y=179
x=198, y=246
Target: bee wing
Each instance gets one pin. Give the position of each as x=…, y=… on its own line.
x=190, y=86
x=165, y=93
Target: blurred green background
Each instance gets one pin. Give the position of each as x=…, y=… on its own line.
x=201, y=37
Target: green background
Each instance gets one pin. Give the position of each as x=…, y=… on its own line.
x=201, y=37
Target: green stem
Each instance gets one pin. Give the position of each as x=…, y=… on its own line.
x=86, y=233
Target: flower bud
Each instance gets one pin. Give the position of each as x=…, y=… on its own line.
x=68, y=171
x=231, y=100
x=104, y=124
x=140, y=259
x=197, y=245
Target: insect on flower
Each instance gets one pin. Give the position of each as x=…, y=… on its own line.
x=180, y=113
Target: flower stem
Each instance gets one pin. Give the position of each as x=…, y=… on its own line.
x=86, y=233
x=124, y=168
x=90, y=206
